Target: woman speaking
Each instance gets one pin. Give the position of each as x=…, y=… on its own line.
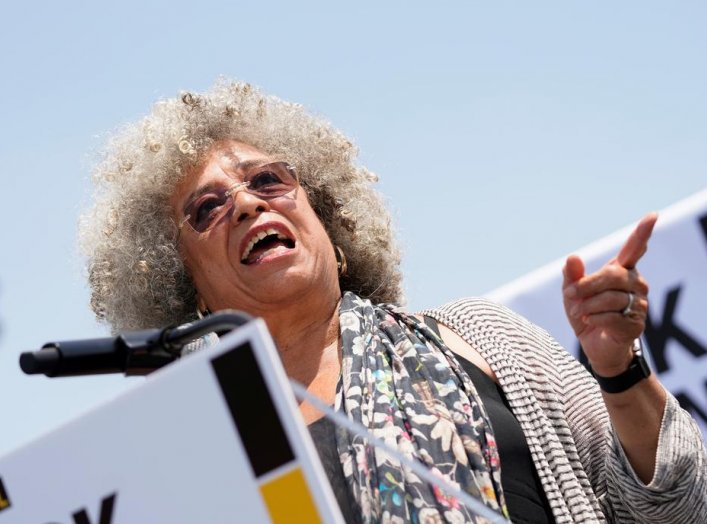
x=232, y=199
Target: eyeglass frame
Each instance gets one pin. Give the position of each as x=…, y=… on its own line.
x=234, y=189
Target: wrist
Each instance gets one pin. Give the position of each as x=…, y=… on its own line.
x=616, y=379
x=614, y=368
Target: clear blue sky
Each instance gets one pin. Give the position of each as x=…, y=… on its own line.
x=506, y=134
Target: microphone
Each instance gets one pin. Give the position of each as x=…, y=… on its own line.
x=131, y=353
x=135, y=352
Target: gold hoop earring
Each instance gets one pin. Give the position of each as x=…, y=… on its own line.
x=340, y=260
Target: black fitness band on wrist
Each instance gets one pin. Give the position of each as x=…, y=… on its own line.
x=637, y=370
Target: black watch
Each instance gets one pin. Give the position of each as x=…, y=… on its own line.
x=637, y=370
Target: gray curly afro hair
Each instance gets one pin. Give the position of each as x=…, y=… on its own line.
x=135, y=272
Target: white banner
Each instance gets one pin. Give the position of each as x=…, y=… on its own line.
x=676, y=270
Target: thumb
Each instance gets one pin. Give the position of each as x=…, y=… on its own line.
x=573, y=270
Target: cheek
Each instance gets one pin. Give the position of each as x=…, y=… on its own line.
x=317, y=233
x=308, y=217
x=199, y=263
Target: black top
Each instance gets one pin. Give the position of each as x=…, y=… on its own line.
x=524, y=493
x=525, y=497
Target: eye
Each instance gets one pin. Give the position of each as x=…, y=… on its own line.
x=207, y=209
x=266, y=181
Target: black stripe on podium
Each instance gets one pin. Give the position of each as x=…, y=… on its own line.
x=4, y=499
x=252, y=409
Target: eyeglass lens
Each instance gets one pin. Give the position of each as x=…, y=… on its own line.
x=268, y=181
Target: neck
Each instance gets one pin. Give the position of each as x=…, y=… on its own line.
x=306, y=335
x=309, y=351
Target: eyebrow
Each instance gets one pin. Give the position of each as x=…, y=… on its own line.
x=211, y=186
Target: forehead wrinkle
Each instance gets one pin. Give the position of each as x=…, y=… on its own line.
x=243, y=165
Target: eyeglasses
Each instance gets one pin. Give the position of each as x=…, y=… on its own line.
x=209, y=207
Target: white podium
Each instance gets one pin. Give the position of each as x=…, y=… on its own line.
x=213, y=438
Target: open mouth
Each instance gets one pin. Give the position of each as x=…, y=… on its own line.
x=264, y=243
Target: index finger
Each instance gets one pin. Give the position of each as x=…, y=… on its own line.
x=637, y=243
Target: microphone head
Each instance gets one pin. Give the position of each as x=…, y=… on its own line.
x=44, y=361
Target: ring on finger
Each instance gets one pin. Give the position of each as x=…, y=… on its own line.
x=627, y=310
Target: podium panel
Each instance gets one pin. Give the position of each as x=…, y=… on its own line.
x=214, y=438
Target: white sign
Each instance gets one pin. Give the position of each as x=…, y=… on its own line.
x=676, y=270
x=214, y=438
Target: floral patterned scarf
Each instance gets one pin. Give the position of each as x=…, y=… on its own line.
x=405, y=386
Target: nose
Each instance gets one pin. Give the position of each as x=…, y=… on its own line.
x=247, y=205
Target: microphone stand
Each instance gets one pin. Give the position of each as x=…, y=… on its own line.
x=131, y=353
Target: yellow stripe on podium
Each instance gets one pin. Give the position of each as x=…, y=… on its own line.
x=288, y=499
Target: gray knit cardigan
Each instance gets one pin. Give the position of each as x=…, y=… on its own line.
x=581, y=464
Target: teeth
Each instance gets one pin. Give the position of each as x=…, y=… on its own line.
x=257, y=238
